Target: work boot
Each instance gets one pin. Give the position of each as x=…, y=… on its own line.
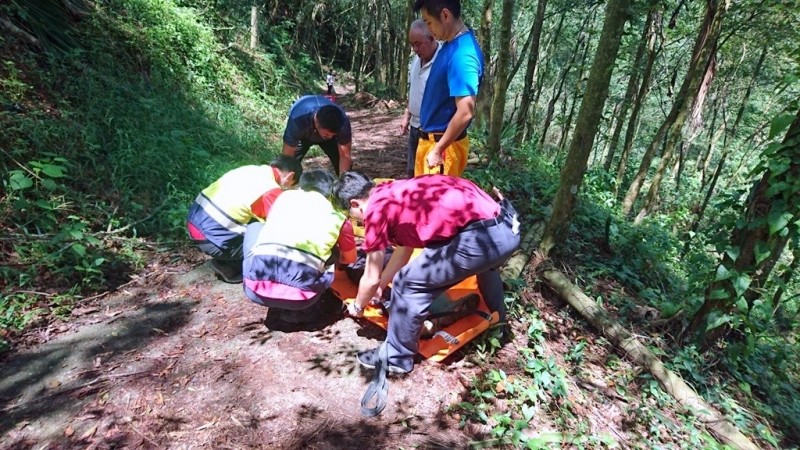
x=229, y=272
x=462, y=307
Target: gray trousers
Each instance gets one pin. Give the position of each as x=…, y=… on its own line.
x=478, y=251
x=411, y=154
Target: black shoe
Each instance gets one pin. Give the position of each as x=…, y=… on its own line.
x=301, y=316
x=369, y=359
x=227, y=272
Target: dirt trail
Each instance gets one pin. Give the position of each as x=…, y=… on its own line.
x=181, y=360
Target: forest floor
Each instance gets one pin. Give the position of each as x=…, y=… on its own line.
x=177, y=359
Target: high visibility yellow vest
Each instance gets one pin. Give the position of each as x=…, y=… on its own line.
x=234, y=193
x=301, y=220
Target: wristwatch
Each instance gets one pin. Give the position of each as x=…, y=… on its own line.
x=356, y=308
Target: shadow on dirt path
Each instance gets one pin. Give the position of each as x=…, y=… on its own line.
x=190, y=362
x=195, y=364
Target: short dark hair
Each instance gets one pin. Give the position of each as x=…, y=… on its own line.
x=435, y=7
x=318, y=180
x=352, y=185
x=331, y=118
x=286, y=163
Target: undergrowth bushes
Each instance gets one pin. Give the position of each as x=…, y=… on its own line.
x=108, y=135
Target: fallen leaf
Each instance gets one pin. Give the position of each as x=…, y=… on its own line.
x=69, y=431
x=89, y=433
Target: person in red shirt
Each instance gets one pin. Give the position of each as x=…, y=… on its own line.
x=462, y=232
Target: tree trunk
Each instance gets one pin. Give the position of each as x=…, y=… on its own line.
x=588, y=121
x=358, y=49
x=404, y=54
x=577, y=91
x=679, y=164
x=558, y=89
x=704, y=159
x=380, y=67
x=701, y=210
x=641, y=98
x=518, y=58
x=540, y=80
x=483, y=108
x=391, y=57
x=673, y=142
x=253, y=27
x=631, y=89
x=770, y=218
x=530, y=72
x=725, y=151
x=501, y=80
x=702, y=56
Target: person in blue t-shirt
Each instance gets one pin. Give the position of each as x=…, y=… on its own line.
x=315, y=120
x=448, y=104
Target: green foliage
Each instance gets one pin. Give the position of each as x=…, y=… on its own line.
x=543, y=383
x=110, y=139
x=768, y=377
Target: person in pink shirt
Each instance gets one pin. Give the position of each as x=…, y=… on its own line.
x=462, y=230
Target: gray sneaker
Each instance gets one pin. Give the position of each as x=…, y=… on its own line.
x=369, y=360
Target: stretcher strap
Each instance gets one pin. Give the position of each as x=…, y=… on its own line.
x=379, y=386
x=449, y=338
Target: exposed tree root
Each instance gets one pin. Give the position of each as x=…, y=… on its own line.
x=717, y=425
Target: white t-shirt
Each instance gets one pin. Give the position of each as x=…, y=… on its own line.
x=417, y=79
x=330, y=79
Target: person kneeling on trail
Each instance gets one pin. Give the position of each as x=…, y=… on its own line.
x=287, y=258
x=220, y=213
x=462, y=232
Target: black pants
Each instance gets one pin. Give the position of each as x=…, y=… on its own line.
x=411, y=155
x=330, y=148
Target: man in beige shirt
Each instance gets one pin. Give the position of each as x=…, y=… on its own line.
x=425, y=48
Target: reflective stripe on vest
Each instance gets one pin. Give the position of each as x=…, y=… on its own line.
x=303, y=220
x=288, y=253
x=215, y=213
x=235, y=192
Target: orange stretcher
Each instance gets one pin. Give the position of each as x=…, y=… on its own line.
x=444, y=342
x=451, y=337
x=441, y=345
